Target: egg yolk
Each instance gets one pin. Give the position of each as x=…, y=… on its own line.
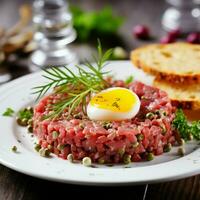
x=116, y=100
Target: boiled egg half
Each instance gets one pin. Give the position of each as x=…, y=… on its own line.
x=113, y=104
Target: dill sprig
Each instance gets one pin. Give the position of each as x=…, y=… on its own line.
x=76, y=87
x=184, y=128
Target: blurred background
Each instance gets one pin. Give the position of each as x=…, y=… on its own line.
x=43, y=33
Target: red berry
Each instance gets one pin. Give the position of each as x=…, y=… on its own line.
x=193, y=38
x=167, y=39
x=174, y=33
x=141, y=32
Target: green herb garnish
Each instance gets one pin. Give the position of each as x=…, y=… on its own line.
x=129, y=80
x=25, y=114
x=184, y=128
x=78, y=87
x=95, y=23
x=9, y=112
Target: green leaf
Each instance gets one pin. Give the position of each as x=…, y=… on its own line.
x=129, y=80
x=9, y=112
x=185, y=128
x=25, y=113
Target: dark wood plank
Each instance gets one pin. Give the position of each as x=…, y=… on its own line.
x=184, y=189
x=12, y=184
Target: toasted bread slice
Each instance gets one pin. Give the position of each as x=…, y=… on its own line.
x=177, y=62
x=186, y=96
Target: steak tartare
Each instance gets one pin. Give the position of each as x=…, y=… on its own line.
x=149, y=133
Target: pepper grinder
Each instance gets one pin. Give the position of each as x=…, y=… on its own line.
x=54, y=32
x=183, y=15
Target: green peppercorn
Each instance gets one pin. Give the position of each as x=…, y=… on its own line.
x=44, y=152
x=161, y=113
x=150, y=156
x=119, y=53
x=181, y=151
x=167, y=147
x=55, y=134
x=121, y=151
x=30, y=122
x=60, y=147
x=181, y=142
x=37, y=147
x=49, y=147
x=29, y=108
x=101, y=161
x=150, y=115
x=127, y=159
x=87, y=162
x=70, y=157
x=135, y=144
x=164, y=130
x=140, y=137
x=190, y=137
x=14, y=149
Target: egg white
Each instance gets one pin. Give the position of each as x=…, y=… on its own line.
x=95, y=113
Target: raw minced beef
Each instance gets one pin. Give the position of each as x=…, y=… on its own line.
x=109, y=142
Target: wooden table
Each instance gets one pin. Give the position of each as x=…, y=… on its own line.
x=16, y=186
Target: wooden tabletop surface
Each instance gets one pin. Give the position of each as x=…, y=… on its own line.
x=16, y=186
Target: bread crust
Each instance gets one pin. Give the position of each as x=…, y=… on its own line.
x=168, y=76
x=181, y=102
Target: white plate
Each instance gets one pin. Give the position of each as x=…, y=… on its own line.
x=16, y=94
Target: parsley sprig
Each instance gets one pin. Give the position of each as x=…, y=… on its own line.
x=75, y=87
x=9, y=112
x=185, y=128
